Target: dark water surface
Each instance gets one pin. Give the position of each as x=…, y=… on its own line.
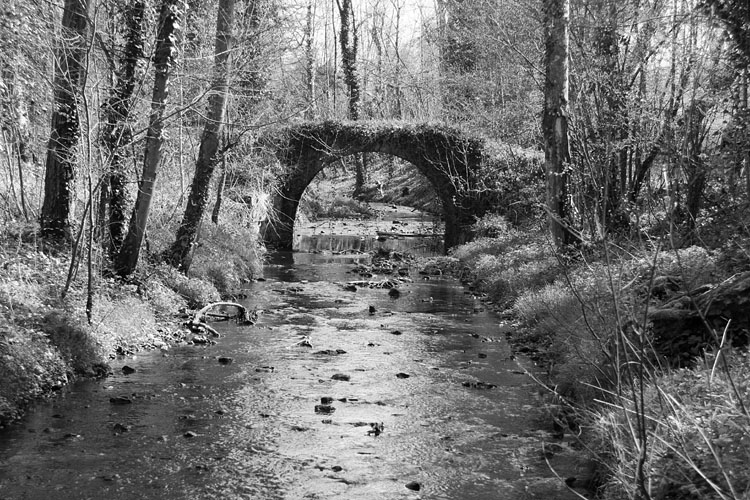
x=199, y=429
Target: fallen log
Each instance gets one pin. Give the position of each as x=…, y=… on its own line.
x=685, y=326
x=242, y=316
x=385, y=283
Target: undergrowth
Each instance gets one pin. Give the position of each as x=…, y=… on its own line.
x=655, y=431
x=46, y=336
x=698, y=432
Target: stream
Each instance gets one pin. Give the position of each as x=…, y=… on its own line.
x=332, y=394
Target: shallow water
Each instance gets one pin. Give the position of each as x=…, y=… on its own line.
x=194, y=427
x=394, y=228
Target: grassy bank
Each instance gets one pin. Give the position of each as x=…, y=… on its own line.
x=46, y=336
x=661, y=419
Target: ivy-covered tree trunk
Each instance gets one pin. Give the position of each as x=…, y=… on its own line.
x=555, y=117
x=164, y=61
x=117, y=132
x=60, y=167
x=349, y=41
x=179, y=253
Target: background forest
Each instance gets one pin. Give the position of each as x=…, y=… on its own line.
x=128, y=166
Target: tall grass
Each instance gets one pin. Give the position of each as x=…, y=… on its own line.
x=655, y=431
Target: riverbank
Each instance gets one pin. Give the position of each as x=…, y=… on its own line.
x=676, y=425
x=47, y=336
x=47, y=339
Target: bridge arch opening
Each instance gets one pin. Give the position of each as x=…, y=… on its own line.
x=395, y=199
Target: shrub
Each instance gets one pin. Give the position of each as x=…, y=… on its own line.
x=514, y=183
x=195, y=291
x=122, y=320
x=578, y=318
x=548, y=309
x=693, y=266
x=227, y=256
x=492, y=226
x=163, y=299
x=80, y=350
x=504, y=269
x=28, y=368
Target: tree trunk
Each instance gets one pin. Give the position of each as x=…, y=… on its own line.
x=311, y=110
x=252, y=72
x=616, y=118
x=349, y=56
x=59, y=189
x=555, y=117
x=164, y=61
x=18, y=139
x=745, y=141
x=179, y=253
x=349, y=44
x=397, y=75
x=220, y=192
x=695, y=168
x=377, y=102
x=117, y=133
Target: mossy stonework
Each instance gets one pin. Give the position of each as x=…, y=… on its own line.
x=451, y=160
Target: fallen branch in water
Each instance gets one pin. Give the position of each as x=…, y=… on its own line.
x=386, y=283
x=242, y=316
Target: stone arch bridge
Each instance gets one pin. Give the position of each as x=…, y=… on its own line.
x=449, y=159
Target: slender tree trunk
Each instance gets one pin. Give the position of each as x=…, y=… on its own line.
x=555, y=117
x=220, y=192
x=311, y=110
x=117, y=133
x=180, y=251
x=7, y=145
x=164, y=61
x=18, y=138
x=59, y=189
x=745, y=140
x=378, y=99
x=665, y=137
x=695, y=168
x=397, y=76
x=616, y=117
